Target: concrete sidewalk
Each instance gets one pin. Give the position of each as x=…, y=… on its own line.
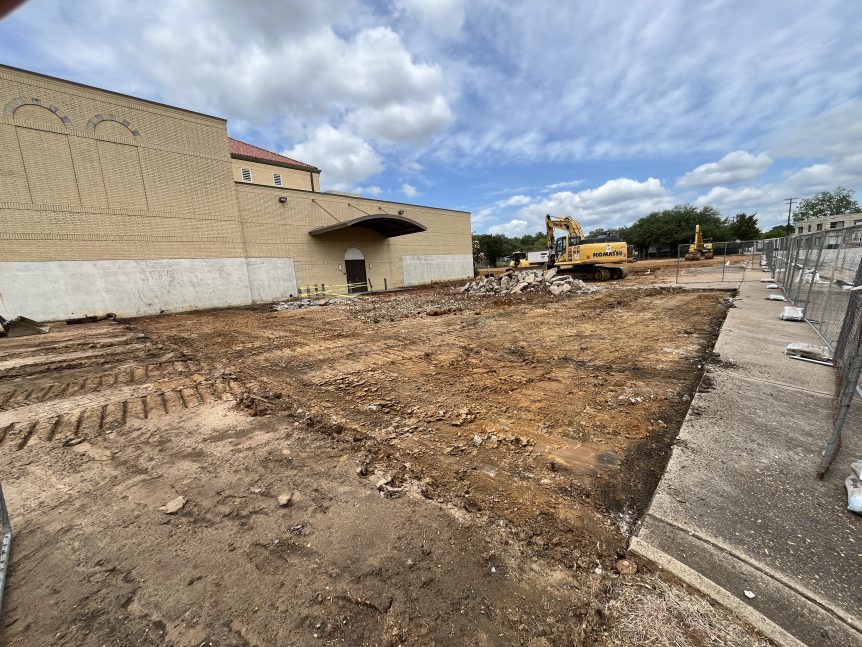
x=739, y=507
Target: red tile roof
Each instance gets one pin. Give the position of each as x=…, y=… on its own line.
x=244, y=151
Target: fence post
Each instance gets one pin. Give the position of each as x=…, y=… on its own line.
x=678, y=251
x=724, y=262
x=813, y=276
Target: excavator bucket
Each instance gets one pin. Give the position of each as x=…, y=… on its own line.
x=21, y=327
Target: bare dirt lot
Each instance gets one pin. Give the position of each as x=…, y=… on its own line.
x=416, y=468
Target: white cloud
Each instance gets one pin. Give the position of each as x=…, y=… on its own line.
x=346, y=158
x=444, y=18
x=409, y=190
x=733, y=167
x=278, y=73
x=515, y=227
x=569, y=184
x=402, y=122
x=616, y=202
x=545, y=87
x=514, y=200
x=368, y=190
x=836, y=132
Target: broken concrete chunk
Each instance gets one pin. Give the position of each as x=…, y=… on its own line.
x=382, y=483
x=626, y=567
x=285, y=500
x=512, y=282
x=174, y=505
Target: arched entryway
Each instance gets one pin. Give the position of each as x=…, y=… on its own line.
x=354, y=267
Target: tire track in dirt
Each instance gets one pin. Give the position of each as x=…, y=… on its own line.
x=90, y=381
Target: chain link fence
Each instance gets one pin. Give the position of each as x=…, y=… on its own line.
x=725, y=261
x=821, y=273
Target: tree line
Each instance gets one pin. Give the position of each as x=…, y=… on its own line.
x=668, y=228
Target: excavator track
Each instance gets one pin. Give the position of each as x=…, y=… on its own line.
x=595, y=272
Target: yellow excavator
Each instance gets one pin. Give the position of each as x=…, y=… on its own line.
x=701, y=248
x=589, y=258
x=519, y=259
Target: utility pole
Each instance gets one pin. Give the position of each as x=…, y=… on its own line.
x=789, y=202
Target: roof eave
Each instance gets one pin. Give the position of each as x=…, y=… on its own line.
x=263, y=160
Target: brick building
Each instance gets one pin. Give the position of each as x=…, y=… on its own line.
x=110, y=203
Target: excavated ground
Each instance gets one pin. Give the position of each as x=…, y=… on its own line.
x=454, y=470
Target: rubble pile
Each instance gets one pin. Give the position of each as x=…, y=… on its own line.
x=512, y=282
x=309, y=303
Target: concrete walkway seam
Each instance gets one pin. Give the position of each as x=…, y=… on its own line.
x=760, y=622
x=838, y=614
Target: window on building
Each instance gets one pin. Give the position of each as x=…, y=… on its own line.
x=819, y=226
x=276, y=179
x=837, y=224
x=809, y=227
x=799, y=230
x=246, y=174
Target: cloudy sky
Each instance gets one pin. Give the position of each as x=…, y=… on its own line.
x=600, y=110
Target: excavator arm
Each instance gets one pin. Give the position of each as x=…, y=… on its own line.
x=573, y=227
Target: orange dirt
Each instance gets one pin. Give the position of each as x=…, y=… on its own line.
x=463, y=470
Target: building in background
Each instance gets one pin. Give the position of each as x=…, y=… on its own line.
x=110, y=203
x=829, y=222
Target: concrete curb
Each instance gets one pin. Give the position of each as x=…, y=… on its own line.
x=760, y=622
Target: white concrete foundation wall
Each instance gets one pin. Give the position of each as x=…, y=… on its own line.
x=436, y=267
x=55, y=290
x=271, y=279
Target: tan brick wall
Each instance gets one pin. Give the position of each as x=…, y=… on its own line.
x=75, y=186
x=262, y=174
x=88, y=175
x=273, y=229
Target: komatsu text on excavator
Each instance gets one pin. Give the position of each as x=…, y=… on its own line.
x=590, y=258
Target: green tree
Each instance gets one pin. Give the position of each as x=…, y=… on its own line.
x=491, y=247
x=744, y=227
x=598, y=231
x=826, y=203
x=778, y=231
x=676, y=226
x=530, y=242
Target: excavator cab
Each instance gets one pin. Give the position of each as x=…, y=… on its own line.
x=519, y=259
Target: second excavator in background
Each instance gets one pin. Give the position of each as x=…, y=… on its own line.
x=701, y=248
x=594, y=258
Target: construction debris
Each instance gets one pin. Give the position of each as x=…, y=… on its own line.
x=511, y=282
x=776, y=297
x=309, y=303
x=174, y=505
x=21, y=327
x=809, y=351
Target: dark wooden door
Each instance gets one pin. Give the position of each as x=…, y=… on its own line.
x=356, y=277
